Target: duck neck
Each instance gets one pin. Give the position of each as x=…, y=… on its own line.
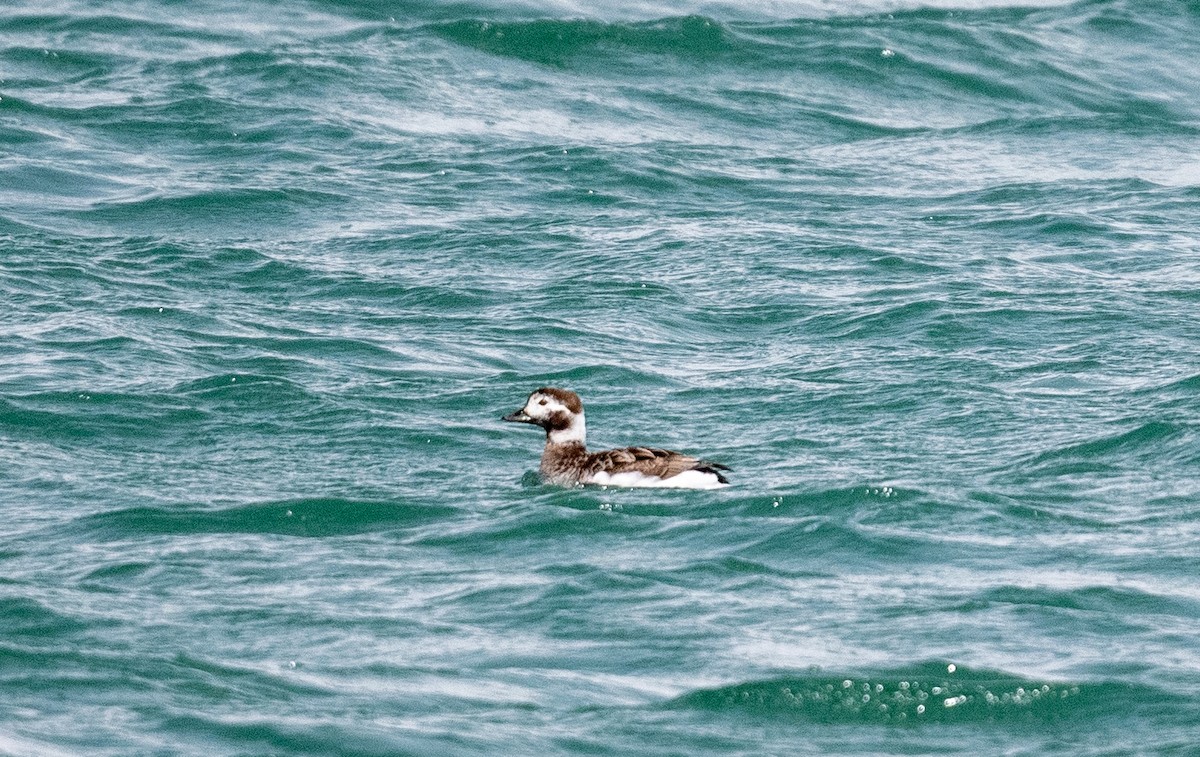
x=574, y=433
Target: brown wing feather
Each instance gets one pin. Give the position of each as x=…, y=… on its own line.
x=646, y=460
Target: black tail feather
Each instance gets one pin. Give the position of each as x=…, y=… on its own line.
x=707, y=466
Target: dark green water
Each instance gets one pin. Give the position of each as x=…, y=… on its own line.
x=926, y=276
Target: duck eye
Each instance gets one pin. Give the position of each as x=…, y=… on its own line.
x=541, y=402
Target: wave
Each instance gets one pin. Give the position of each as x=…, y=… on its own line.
x=1145, y=447
x=1108, y=601
x=86, y=415
x=555, y=42
x=648, y=10
x=315, y=517
x=981, y=65
x=932, y=693
x=244, y=209
x=27, y=619
x=185, y=409
x=92, y=669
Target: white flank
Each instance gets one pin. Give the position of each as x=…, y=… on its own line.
x=691, y=479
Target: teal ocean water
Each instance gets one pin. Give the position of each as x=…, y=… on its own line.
x=926, y=275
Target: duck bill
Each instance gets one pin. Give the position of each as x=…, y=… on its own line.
x=518, y=417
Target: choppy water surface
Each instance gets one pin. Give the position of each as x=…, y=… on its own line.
x=925, y=275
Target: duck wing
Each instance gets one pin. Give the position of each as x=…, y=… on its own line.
x=651, y=461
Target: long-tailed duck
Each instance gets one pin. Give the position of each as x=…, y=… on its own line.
x=566, y=461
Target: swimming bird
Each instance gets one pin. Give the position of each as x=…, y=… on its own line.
x=566, y=461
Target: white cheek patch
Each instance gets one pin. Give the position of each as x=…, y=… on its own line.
x=691, y=479
x=535, y=408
